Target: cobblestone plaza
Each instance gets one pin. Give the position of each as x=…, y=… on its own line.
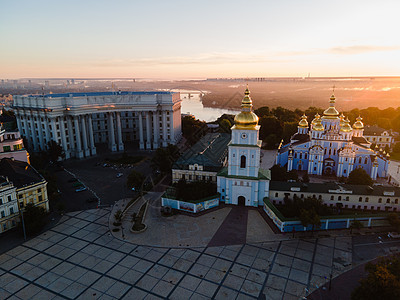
x=80, y=259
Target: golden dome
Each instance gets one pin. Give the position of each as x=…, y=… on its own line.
x=303, y=122
x=317, y=125
x=317, y=117
x=346, y=126
x=331, y=112
x=342, y=118
x=358, y=124
x=246, y=119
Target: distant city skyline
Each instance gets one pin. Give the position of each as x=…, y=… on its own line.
x=180, y=39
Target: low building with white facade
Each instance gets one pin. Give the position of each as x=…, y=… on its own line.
x=9, y=214
x=204, y=160
x=361, y=197
x=12, y=146
x=378, y=136
x=78, y=121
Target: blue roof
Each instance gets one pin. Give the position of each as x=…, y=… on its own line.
x=61, y=95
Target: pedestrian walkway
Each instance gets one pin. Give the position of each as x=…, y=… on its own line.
x=233, y=230
x=80, y=259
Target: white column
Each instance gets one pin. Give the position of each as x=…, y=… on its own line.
x=79, y=152
x=112, y=145
x=171, y=127
x=155, y=130
x=54, y=129
x=84, y=136
x=33, y=133
x=40, y=131
x=70, y=135
x=64, y=138
x=141, y=142
x=148, y=131
x=47, y=129
x=91, y=137
x=164, y=125
x=119, y=132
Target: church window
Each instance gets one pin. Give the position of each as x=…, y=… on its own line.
x=334, y=151
x=359, y=160
x=301, y=156
x=302, y=196
x=319, y=197
x=346, y=159
x=330, y=152
x=276, y=194
x=315, y=168
x=252, y=156
x=387, y=200
x=366, y=199
x=243, y=161
x=325, y=151
x=344, y=171
x=347, y=198
x=295, y=155
x=396, y=201
x=305, y=155
x=366, y=160
x=339, y=198
x=332, y=198
x=330, y=144
x=380, y=200
x=316, y=157
x=223, y=190
x=378, y=208
x=233, y=155
x=223, y=197
x=360, y=199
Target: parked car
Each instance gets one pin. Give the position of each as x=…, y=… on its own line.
x=394, y=235
x=120, y=175
x=81, y=189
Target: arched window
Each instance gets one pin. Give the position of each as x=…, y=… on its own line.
x=366, y=160
x=301, y=156
x=243, y=161
x=359, y=160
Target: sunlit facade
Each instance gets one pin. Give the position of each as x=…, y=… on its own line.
x=331, y=146
x=78, y=121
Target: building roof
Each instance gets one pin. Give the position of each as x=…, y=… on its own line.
x=360, y=140
x=63, y=95
x=209, y=152
x=20, y=173
x=334, y=188
x=374, y=130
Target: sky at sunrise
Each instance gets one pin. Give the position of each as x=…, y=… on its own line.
x=199, y=39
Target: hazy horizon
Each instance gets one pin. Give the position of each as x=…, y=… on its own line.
x=179, y=39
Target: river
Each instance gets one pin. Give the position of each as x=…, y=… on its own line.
x=195, y=107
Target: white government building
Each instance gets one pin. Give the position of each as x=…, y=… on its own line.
x=78, y=121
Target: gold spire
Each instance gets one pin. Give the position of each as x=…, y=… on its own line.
x=358, y=124
x=331, y=112
x=303, y=122
x=246, y=119
x=342, y=118
x=317, y=116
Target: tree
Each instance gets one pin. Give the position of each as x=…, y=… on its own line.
x=396, y=148
x=359, y=177
x=382, y=282
x=278, y=173
x=394, y=221
x=309, y=217
x=54, y=151
x=306, y=178
x=271, y=141
x=135, y=180
x=118, y=217
x=225, y=126
x=289, y=128
x=34, y=218
x=164, y=158
x=269, y=125
x=193, y=129
x=355, y=224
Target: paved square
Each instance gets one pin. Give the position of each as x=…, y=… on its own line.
x=80, y=259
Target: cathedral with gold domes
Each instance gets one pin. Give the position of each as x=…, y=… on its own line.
x=331, y=146
x=243, y=182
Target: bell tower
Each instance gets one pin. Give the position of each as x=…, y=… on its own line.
x=244, y=148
